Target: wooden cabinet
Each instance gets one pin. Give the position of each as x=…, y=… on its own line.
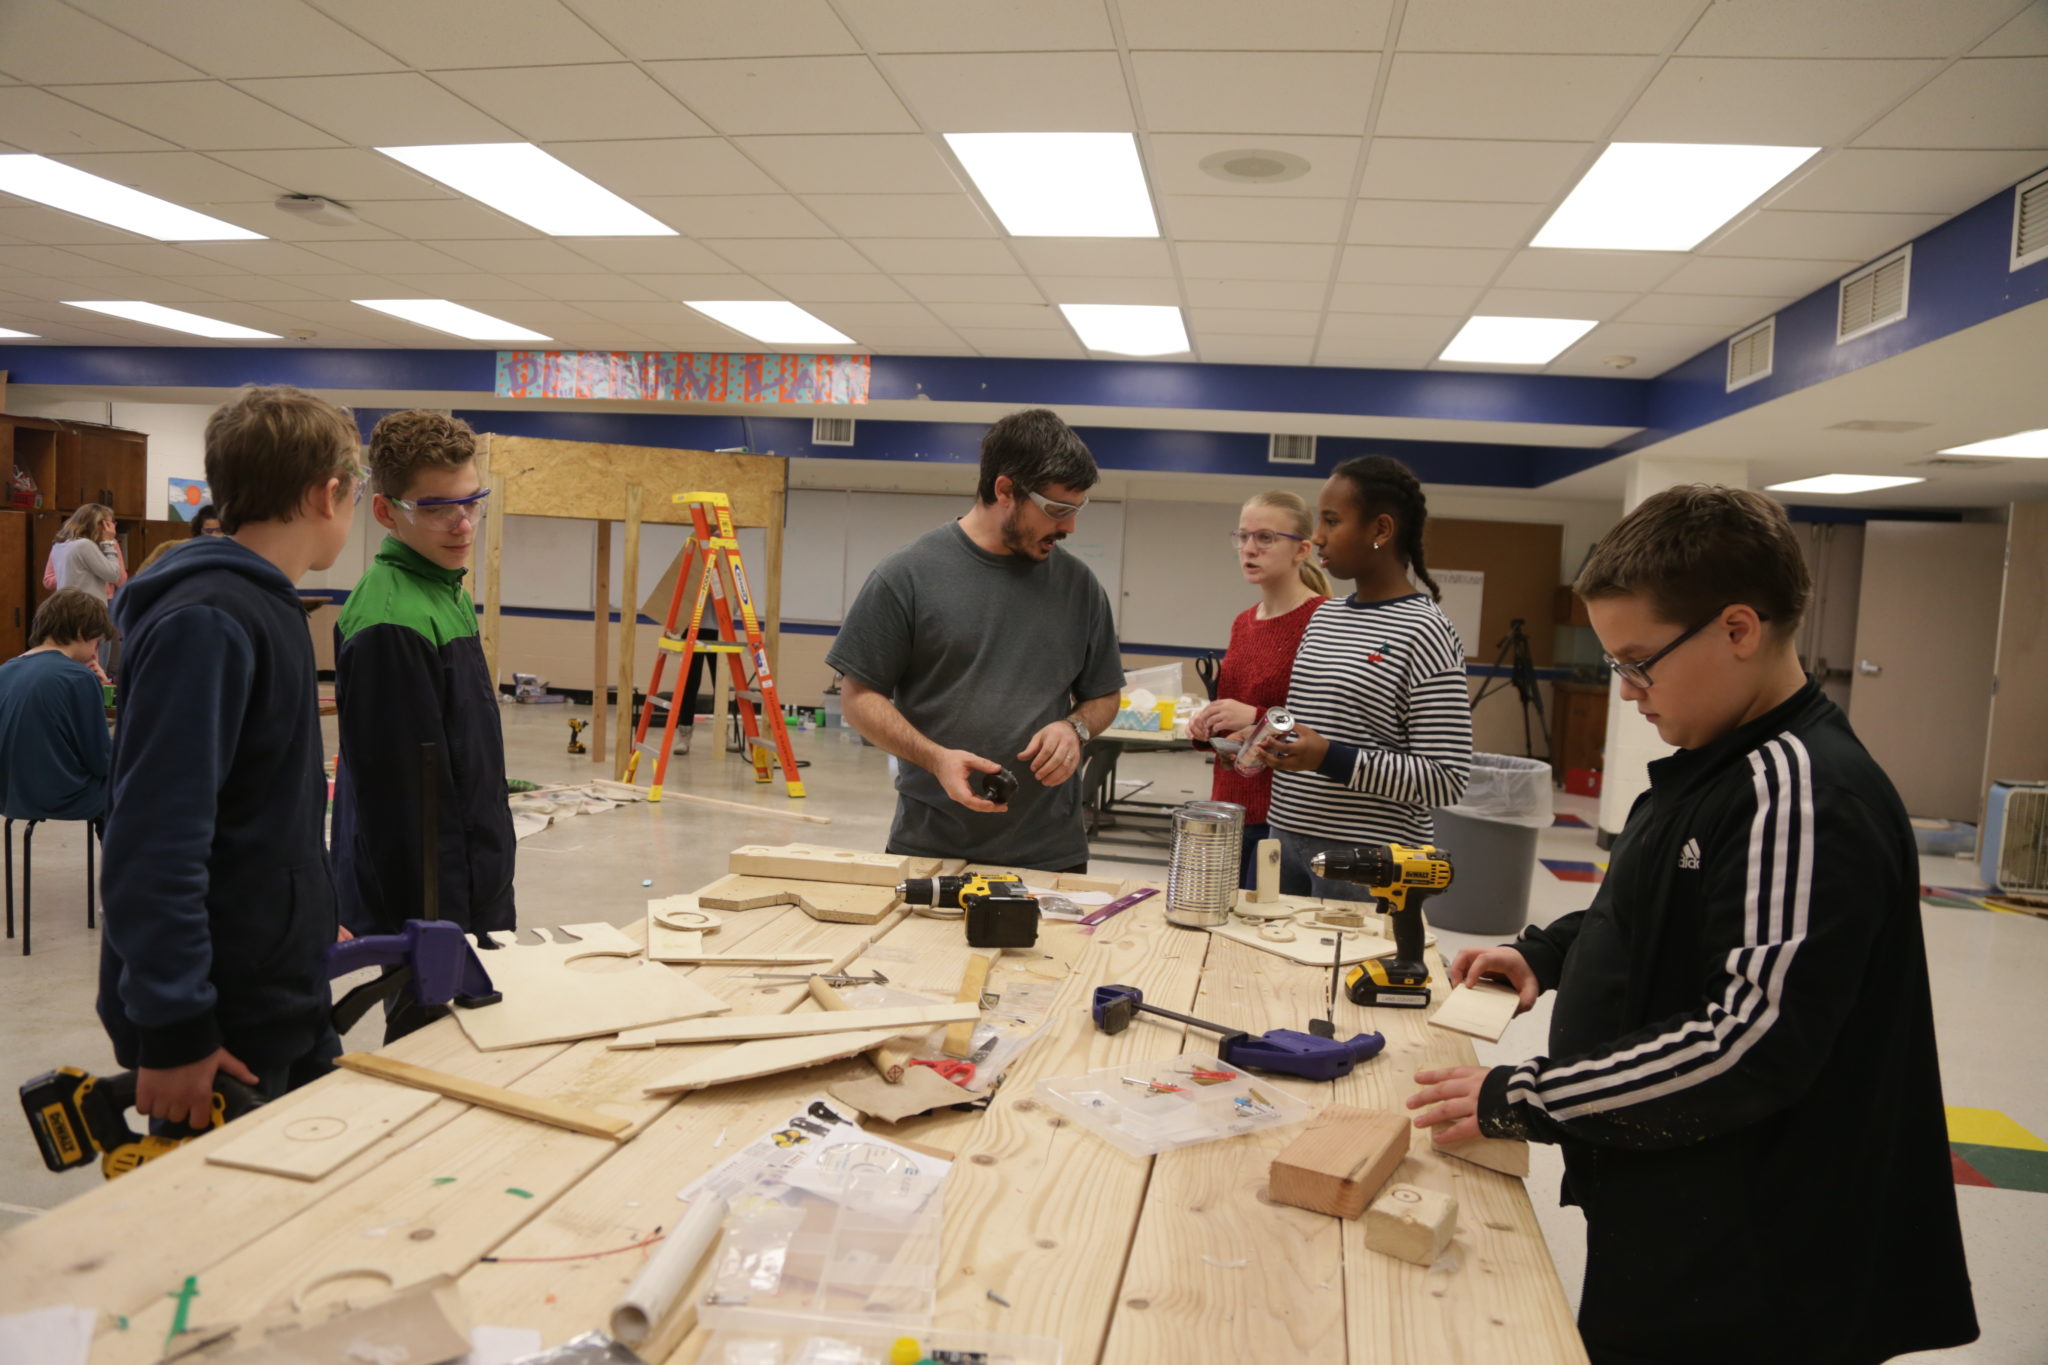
x=1578, y=731
x=16, y=604
x=111, y=469
x=72, y=464
x=43, y=530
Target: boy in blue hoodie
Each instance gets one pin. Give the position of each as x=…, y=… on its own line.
x=219, y=904
x=53, y=721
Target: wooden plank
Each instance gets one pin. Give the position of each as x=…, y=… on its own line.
x=549, y=999
x=315, y=1138
x=602, y=611
x=766, y=1057
x=816, y=863
x=748, y=1027
x=629, y=634
x=488, y=1096
x=1483, y=1010
x=587, y=480
x=891, y=1059
x=973, y=982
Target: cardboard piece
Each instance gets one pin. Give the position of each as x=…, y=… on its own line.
x=333, y=1124
x=919, y=1092
x=1483, y=1010
x=748, y=1027
x=424, y=1323
x=813, y=862
x=1339, y=1163
x=547, y=1000
x=1411, y=1223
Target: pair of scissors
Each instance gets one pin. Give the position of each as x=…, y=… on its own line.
x=1205, y=669
x=959, y=1073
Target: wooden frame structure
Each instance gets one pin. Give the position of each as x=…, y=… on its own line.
x=602, y=482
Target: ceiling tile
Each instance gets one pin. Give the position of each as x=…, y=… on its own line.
x=699, y=285
x=1436, y=222
x=587, y=287
x=53, y=44
x=1109, y=289
x=1255, y=321
x=202, y=115
x=646, y=255
x=803, y=286
x=1272, y=25
x=670, y=166
x=181, y=177
x=847, y=316
x=1372, y=353
x=1742, y=275
x=1098, y=256
x=152, y=291
x=901, y=215
x=826, y=255
x=457, y=33
x=539, y=256
x=1405, y=329
x=1027, y=315
x=247, y=288
x=1173, y=163
x=1553, y=303
x=1729, y=311
x=2025, y=36
x=1228, y=349
x=852, y=163
x=670, y=319
x=1306, y=295
x=941, y=257
x=1254, y=261
x=1568, y=26
x=1465, y=169
x=976, y=288
x=347, y=175
x=33, y=223
x=788, y=94
x=1500, y=96
x=1256, y=92
x=934, y=340
x=1841, y=28
x=379, y=258
x=217, y=36
x=1022, y=92
x=1240, y=218
x=737, y=215
x=1611, y=270
x=1586, y=359
x=1012, y=341
x=1796, y=103
x=467, y=287
x=649, y=29
x=1793, y=235
x=264, y=258
x=1429, y=300
x=1649, y=337
x=1978, y=102
x=1869, y=181
x=565, y=103
x=945, y=26
x=440, y=219
x=403, y=110
x=1419, y=265
x=265, y=217
x=147, y=258
x=46, y=260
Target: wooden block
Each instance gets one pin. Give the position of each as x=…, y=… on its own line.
x=960, y=1037
x=488, y=1096
x=921, y=1091
x=767, y=1058
x=1340, y=1162
x=747, y=1027
x=1411, y=1223
x=813, y=862
x=547, y=1000
x=1266, y=872
x=736, y=892
x=839, y=903
x=1483, y=1010
x=1496, y=1154
x=315, y=1137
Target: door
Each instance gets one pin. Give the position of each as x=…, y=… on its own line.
x=1926, y=638
x=17, y=605
x=2018, y=747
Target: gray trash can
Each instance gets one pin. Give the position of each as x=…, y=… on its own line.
x=1491, y=836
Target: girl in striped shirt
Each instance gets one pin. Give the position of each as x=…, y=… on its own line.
x=1383, y=726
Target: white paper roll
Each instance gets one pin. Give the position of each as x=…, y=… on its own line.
x=653, y=1291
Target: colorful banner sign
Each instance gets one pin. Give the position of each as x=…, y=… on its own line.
x=683, y=377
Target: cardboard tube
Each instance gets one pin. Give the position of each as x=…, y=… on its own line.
x=890, y=1058
x=654, y=1290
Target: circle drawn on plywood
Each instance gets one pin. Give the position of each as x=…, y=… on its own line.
x=318, y=1129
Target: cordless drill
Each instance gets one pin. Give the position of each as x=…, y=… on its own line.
x=1000, y=912
x=1402, y=877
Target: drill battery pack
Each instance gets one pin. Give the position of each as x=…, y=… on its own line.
x=76, y=1116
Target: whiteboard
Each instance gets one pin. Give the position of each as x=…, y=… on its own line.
x=1181, y=581
x=814, y=555
x=546, y=563
x=1464, y=592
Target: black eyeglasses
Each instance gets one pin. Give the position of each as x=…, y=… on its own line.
x=1638, y=674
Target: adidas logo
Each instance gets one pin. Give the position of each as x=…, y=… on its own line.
x=1689, y=856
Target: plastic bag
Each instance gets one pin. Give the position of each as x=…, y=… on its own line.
x=1517, y=790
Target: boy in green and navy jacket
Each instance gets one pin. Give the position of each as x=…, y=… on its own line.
x=409, y=670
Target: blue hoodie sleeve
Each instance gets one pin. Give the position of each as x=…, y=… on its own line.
x=185, y=691
x=88, y=724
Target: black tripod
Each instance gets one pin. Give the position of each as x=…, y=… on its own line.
x=1521, y=672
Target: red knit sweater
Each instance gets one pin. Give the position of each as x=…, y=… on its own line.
x=1255, y=671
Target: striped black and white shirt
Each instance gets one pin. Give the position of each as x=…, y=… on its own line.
x=1384, y=682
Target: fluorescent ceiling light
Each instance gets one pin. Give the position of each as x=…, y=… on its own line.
x=1665, y=196
x=454, y=319
x=90, y=196
x=772, y=321
x=1514, y=341
x=178, y=320
x=9, y=334
x=520, y=179
x=1128, y=328
x=1843, y=483
x=1060, y=184
x=2021, y=445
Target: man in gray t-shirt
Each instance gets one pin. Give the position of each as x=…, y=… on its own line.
x=983, y=645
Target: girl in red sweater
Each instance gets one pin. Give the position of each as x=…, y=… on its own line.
x=1272, y=543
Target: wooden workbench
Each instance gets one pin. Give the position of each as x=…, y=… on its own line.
x=1179, y=1258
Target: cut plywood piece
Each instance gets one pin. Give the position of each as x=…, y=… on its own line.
x=334, y=1123
x=670, y=940
x=749, y=1027
x=1340, y=1162
x=1312, y=947
x=751, y=1060
x=832, y=902
x=1505, y=1155
x=548, y=999
x=1483, y=1010
x=736, y=892
x=536, y=1107
x=816, y=863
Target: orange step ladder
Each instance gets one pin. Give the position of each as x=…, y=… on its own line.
x=716, y=552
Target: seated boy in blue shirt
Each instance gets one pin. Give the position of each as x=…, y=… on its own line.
x=1742, y=1071
x=53, y=719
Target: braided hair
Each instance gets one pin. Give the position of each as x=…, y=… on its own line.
x=1383, y=485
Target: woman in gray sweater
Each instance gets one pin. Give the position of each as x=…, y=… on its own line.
x=87, y=556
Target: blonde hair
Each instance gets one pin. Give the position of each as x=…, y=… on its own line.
x=84, y=524
x=1312, y=576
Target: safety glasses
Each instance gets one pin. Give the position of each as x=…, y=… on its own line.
x=1058, y=511
x=1265, y=540
x=445, y=512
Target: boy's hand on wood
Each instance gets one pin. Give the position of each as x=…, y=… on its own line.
x=1453, y=1096
x=1503, y=964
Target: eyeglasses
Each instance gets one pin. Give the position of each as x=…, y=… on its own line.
x=1637, y=674
x=445, y=512
x=1058, y=511
x=1265, y=540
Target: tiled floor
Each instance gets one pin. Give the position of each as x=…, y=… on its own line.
x=1988, y=970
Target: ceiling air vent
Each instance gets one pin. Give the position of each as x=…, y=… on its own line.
x=1954, y=462
x=1749, y=354
x=2030, y=221
x=1874, y=296
x=831, y=431
x=1290, y=449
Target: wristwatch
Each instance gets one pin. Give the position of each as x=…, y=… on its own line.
x=1081, y=728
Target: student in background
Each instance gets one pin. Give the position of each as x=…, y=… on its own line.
x=53, y=725
x=1273, y=551
x=1383, y=725
x=206, y=522
x=87, y=554
x=219, y=906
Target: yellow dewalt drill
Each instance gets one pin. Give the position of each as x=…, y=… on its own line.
x=1401, y=877
x=1000, y=912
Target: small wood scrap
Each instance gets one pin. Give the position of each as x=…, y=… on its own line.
x=338, y=1121
x=1411, y=1223
x=960, y=1037
x=672, y=939
x=548, y=1000
x=747, y=1027
x=1339, y=1163
x=831, y=902
x=535, y=1107
x=919, y=1092
x=1483, y=1009
x=1496, y=1154
x=769, y=1057
x=814, y=862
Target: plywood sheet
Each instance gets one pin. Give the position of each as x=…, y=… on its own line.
x=588, y=480
x=669, y=941
x=746, y=1027
x=309, y=1141
x=548, y=999
x=1483, y=1010
x=832, y=902
x=767, y=1058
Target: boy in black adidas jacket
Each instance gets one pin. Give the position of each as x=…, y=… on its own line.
x=1742, y=1069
